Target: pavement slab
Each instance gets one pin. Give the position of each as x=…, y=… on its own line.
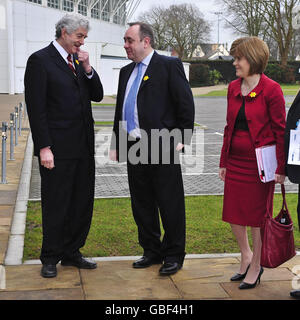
x=8, y=197
x=118, y=280
x=277, y=274
x=272, y=290
x=207, y=270
x=28, y=278
x=196, y=290
x=48, y=294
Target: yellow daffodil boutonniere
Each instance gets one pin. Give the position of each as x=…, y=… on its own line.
x=77, y=61
x=146, y=78
x=253, y=94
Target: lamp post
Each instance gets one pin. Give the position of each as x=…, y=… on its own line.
x=218, y=13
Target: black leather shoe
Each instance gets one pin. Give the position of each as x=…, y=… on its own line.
x=80, y=263
x=49, y=271
x=240, y=276
x=245, y=285
x=295, y=294
x=145, y=262
x=169, y=268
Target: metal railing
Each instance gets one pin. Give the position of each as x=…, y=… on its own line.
x=15, y=131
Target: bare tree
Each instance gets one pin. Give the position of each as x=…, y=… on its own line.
x=295, y=47
x=156, y=18
x=279, y=18
x=181, y=27
x=245, y=16
x=268, y=19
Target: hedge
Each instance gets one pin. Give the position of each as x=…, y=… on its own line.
x=202, y=72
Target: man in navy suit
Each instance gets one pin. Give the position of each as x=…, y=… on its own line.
x=154, y=96
x=59, y=87
x=293, y=171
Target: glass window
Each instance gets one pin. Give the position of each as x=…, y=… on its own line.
x=105, y=10
x=95, y=12
x=119, y=16
x=68, y=5
x=36, y=1
x=82, y=7
x=53, y=4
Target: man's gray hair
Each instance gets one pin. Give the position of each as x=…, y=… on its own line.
x=71, y=21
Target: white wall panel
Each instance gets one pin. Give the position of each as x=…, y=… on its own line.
x=33, y=28
x=3, y=83
x=109, y=74
x=3, y=48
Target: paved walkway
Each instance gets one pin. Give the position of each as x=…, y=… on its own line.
x=202, y=276
x=205, y=90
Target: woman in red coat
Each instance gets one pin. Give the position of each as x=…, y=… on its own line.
x=255, y=118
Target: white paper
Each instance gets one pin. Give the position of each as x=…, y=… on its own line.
x=267, y=163
x=294, y=149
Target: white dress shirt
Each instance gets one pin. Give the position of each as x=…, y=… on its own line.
x=65, y=54
x=145, y=63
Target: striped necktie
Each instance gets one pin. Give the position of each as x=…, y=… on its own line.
x=131, y=100
x=70, y=64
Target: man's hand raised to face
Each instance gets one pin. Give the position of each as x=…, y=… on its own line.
x=83, y=57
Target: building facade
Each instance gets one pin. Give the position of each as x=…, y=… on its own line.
x=29, y=25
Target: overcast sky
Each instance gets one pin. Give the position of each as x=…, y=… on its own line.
x=207, y=7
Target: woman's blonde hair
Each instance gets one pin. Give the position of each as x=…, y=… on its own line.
x=254, y=50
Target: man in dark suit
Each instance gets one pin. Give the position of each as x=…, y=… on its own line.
x=59, y=87
x=293, y=171
x=154, y=96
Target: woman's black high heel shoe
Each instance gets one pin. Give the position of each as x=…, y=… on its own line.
x=239, y=276
x=245, y=285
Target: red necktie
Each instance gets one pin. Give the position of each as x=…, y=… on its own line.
x=70, y=64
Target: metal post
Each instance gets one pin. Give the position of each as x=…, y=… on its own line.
x=16, y=125
x=25, y=110
x=3, y=164
x=218, y=14
x=11, y=128
x=20, y=117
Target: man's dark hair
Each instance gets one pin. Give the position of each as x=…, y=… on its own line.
x=145, y=31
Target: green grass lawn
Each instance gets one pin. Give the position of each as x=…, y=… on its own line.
x=104, y=123
x=103, y=104
x=215, y=93
x=288, y=90
x=114, y=232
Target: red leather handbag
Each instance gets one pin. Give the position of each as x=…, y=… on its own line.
x=277, y=237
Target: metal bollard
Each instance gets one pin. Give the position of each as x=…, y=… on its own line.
x=16, y=125
x=3, y=164
x=11, y=128
x=25, y=110
x=20, y=117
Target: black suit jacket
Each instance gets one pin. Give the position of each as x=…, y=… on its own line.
x=164, y=100
x=59, y=104
x=292, y=171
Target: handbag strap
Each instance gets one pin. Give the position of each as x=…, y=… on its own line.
x=284, y=205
